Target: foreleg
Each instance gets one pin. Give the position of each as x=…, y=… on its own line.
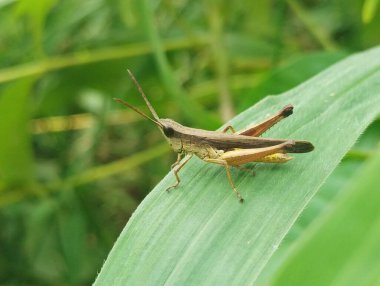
x=176, y=170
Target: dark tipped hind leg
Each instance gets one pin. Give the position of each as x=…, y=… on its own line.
x=260, y=128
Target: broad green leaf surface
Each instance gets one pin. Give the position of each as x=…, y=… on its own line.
x=343, y=247
x=322, y=201
x=200, y=234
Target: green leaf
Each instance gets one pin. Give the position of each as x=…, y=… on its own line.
x=16, y=156
x=323, y=200
x=369, y=10
x=318, y=205
x=343, y=247
x=37, y=12
x=200, y=234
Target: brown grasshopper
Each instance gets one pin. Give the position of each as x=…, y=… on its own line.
x=219, y=147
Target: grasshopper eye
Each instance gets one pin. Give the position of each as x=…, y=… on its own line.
x=168, y=131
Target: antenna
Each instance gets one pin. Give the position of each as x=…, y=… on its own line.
x=144, y=96
x=137, y=110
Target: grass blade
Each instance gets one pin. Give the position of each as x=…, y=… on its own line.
x=16, y=156
x=343, y=247
x=199, y=233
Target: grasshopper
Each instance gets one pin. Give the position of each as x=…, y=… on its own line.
x=219, y=147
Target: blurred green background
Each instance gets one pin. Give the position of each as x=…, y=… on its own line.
x=74, y=164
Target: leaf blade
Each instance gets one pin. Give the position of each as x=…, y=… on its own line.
x=343, y=244
x=16, y=154
x=200, y=234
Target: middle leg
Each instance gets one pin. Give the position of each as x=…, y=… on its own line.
x=228, y=172
x=245, y=169
x=229, y=127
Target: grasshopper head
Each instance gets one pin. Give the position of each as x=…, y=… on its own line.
x=170, y=129
x=167, y=130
